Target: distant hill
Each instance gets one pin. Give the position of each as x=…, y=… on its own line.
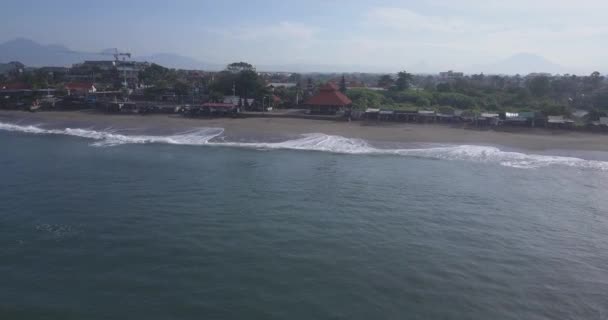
x=34, y=54
x=521, y=63
x=322, y=68
x=171, y=60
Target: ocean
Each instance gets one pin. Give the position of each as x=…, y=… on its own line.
x=108, y=225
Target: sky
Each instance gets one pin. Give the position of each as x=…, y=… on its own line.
x=435, y=34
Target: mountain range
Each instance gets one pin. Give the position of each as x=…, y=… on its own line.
x=521, y=63
x=34, y=54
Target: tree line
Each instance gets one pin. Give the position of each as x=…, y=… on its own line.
x=551, y=95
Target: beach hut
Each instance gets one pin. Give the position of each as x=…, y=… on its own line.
x=558, y=122
x=488, y=119
x=120, y=106
x=80, y=88
x=371, y=113
x=602, y=122
x=466, y=116
x=128, y=107
x=580, y=113
x=447, y=117
x=406, y=115
x=520, y=118
x=386, y=115
x=15, y=94
x=219, y=109
x=329, y=100
x=425, y=116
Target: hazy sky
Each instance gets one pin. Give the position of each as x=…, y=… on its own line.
x=442, y=33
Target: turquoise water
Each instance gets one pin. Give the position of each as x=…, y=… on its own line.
x=92, y=230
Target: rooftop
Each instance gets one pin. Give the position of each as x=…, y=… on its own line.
x=15, y=86
x=329, y=96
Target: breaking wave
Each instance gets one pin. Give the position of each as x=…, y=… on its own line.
x=326, y=143
x=114, y=138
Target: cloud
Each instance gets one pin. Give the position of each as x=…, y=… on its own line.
x=476, y=29
x=401, y=19
x=280, y=42
x=546, y=6
x=397, y=37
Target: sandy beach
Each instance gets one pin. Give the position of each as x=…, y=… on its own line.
x=277, y=128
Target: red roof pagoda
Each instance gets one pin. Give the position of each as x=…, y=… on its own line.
x=328, y=101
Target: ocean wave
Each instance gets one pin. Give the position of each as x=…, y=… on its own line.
x=325, y=143
x=111, y=137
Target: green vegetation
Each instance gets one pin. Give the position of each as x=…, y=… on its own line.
x=366, y=98
x=404, y=80
x=385, y=81
x=164, y=80
x=550, y=95
x=239, y=78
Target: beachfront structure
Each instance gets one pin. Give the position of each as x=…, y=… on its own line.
x=210, y=109
x=580, y=113
x=425, y=116
x=558, y=121
x=329, y=100
x=446, y=117
x=371, y=113
x=387, y=115
x=487, y=118
x=601, y=122
x=80, y=88
x=235, y=100
x=219, y=108
x=520, y=118
x=14, y=92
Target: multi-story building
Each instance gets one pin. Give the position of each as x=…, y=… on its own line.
x=117, y=71
x=13, y=67
x=449, y=75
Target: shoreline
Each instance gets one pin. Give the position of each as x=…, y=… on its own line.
x=273, y=128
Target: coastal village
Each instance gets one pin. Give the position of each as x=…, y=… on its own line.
x=123, y=86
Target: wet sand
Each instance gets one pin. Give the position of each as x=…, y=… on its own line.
x=277, y=128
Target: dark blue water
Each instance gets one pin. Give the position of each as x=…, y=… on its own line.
x=157, y=231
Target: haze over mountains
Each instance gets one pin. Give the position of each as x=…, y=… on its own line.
x=521, y=63
x=34, y=54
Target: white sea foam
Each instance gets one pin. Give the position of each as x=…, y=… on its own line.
x=315, y=142
x=488, y=154
x=111, y=137
x=323, y=142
